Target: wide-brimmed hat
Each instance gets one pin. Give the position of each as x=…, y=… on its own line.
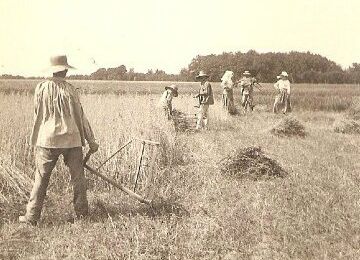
x=59, y=63
x=202, y=74
x=174, y=89
x=246, y=73
x=284, y=74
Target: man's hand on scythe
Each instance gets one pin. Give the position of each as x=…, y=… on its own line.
x=94, y=146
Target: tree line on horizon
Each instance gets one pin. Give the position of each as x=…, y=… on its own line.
x=303, y=67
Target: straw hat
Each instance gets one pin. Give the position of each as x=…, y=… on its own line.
x=174, y=89
x=284, y=74
x=59, y=63
x=247, y=73
x=202, y=74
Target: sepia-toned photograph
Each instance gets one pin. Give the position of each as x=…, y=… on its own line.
x=179, y=129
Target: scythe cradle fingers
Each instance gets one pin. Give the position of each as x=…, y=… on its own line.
x=139, y=164
x=149, y=142
x=126, y=190
x=140, y=159
x=122, y=147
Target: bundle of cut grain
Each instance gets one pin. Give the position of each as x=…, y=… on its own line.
x=346, y=126
x=13, y=182
x=289, y=126
x=251, y=163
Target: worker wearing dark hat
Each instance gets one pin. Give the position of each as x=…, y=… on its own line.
x=206, y=98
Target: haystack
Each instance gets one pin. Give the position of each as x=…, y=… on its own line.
x=346, y=126
x=183, y=122
x=288, y=127
x=251, y=163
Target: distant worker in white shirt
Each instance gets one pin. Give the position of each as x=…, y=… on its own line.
x=282, y=99
x=227, y=85
x=166, y=99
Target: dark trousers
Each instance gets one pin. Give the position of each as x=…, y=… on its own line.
x=45, y=160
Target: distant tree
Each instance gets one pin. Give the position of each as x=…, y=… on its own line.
x=303, y=67
x=100, y=74
x=131, y=74
x=8, y=76
x=353, y=73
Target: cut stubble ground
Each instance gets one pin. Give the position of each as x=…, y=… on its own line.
x=311, y=213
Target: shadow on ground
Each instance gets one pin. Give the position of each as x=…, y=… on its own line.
x=159, y=207
x=100, y=210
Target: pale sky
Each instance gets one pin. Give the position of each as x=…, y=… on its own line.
x=167, y=34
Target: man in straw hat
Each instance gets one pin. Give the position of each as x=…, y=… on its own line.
x=166, y=99
x=60, y=128
x=283, y=96
x=247, y=88
x=206, y=98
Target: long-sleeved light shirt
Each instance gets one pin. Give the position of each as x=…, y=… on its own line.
x=227, y=86
x=283, y=85
x=59, y=119
x=166, y=99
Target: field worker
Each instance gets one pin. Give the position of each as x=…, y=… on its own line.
x=276, y=85
x=247, y=88
x=283, y=97
x=227, y=96
x=206, y=98
x=166, y=99
x=60, y=128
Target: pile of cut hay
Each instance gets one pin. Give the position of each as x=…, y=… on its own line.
x=288, y=127
x=251, y=163
x=346, y=127
x=183, y=122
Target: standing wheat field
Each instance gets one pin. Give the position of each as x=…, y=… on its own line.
x=311, y=212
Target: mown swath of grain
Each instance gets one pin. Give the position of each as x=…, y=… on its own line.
x=13, y=181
